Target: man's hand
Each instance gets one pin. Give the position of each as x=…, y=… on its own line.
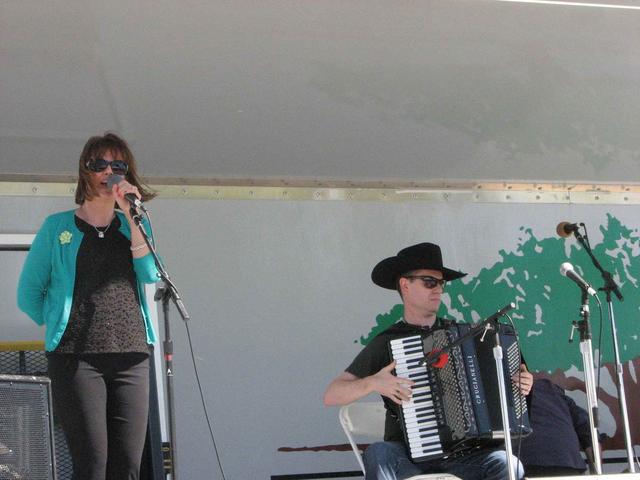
x=524, y=379
x=387, y=384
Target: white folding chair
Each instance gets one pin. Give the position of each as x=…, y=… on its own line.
x=366, y=419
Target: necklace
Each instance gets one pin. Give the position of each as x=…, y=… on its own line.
x=84, y=216
x=102, y=232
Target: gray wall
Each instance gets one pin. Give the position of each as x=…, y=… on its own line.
x=278, y=292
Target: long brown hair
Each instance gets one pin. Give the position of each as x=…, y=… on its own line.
x=96, y=147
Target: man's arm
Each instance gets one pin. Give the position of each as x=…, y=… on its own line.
x=347, y=388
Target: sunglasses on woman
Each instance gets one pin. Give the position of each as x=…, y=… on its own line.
x=428, y=281
x=118, y=167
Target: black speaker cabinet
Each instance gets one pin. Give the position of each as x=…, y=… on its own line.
x=26, y=428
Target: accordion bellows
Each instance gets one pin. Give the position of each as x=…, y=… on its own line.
x=455, y=402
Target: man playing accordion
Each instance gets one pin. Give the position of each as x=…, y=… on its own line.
x=418, y=274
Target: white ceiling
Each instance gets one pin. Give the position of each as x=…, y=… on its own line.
x=356, y=90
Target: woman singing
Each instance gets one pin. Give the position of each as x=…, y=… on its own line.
x=84, y=280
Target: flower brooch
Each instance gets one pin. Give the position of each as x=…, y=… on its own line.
x=65, y=237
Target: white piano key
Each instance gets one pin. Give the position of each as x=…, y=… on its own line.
x=427, y=442
x=419, y=418
x=410, y=417
x=409, y=371
x=406, y=341
x=430, y=427
x=420, y=430
x=422, y=389
x=420, y=451
x=415, y=423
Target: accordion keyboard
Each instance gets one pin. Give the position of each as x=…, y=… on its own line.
x=418, y=414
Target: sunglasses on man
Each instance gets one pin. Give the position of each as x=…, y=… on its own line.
x=118, y=167
x=428, y=281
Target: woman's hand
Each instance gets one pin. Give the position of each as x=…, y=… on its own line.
x=120, y=190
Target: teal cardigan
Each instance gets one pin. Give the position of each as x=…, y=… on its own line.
x=45, y=288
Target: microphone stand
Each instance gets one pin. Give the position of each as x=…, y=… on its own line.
x=610, y=286
x=497, y=355
x=165, y=293
x=490, y=323
x=589, y=376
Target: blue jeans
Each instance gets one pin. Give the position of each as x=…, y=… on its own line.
x=389, y=461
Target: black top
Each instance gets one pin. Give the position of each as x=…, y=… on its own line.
x=105, y=313
x=375, y=356
x=560, y=429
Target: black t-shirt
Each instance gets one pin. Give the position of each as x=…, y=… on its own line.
x=105, y=314
x=375, y=356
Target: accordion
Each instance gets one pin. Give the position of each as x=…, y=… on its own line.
x=455, y=404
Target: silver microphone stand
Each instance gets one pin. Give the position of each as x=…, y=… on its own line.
x=610, y=286
x=620, y=384
x=497, y=355
x=589, y=376
x=166, y=293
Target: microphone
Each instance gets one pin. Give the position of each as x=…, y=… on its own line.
x=565, y=229
x=131, y=198
x=567, y=270
x=501, y=312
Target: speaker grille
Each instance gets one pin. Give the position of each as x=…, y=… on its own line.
x=26, y=448
x=34, y=362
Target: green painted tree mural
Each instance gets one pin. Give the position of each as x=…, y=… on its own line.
x=547, y=303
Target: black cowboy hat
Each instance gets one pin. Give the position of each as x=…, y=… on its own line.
x=416, y=257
